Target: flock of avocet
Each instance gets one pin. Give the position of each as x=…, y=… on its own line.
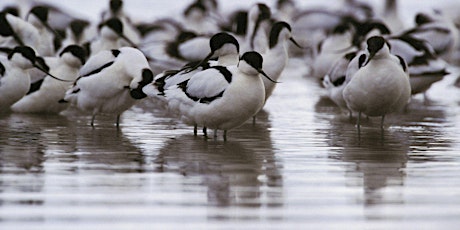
x=217, y=70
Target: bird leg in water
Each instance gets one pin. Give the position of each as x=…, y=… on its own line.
x=205, y=131
x=381, y=122
x=118, y=120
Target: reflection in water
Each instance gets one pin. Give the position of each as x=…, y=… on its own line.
x=23, y=153
x=379, y=158
x=106, y=149
x=241, y=171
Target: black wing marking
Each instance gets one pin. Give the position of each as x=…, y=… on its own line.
x=402, y=62
x=98, y=69
x=35, y=86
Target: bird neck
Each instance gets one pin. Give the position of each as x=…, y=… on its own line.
x=228, y=59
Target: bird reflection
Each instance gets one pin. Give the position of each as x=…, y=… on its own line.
x=378, y=158
x=107, y=150
x=23, y=153
x=241, y=171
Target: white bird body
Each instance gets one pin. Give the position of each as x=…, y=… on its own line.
x=276, y=57
x=15, y=81
x=220, y=97
x=381, y=85
x=14, y=75
x=107, y=81
x=222, y=45
x=46, y=98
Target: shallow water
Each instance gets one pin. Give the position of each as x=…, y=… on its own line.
x=303, y=164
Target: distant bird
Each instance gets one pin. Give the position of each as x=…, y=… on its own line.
x=197, y=18
x=335, y=80
x=110, y=82
x=332, y=48
x=116, y=10
x=380, y=85
x=438, y=30
x=79, y=32
x=276, y=57
x=15, y=31
x=14, y=75
x=425, y=67
x=221, y=98
x=111, y=36
x=259, y=23
x=44, y=95
x=38, y=17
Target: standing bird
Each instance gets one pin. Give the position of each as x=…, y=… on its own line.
x=276, y=57
x=221, y=98
x=380, y=85
x=110, y=82
x=14, y=75
x=44, y=95
x=223, y=46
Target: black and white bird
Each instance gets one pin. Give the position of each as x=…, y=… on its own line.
x=380, y=85
x=223, y=46
x=438, y=30
x=14, y=75
x=110, y=82
x=336, y=79
x=221, y=98
x=111, y=36
x=276, y=57
x=44, y=95
x=425, y=67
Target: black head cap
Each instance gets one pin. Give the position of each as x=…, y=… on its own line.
x=41, y=12
x=220, y=39
x=76, y=51
x=375, y=43
x=276, y=30
x=116, y=5
x=13, y=10
x=253, y=58
x=422, y=18
x=25, y=51
x=114, y=24
x=195, y=6
x=77, y=26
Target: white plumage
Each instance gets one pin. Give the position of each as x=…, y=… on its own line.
x=45, y=98
x=221, y=97
x=380, y=85
x=110, y=81
x=14, y=77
